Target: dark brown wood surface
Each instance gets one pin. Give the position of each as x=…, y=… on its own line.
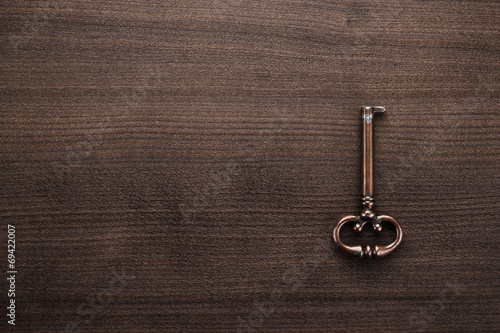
x=178, y=166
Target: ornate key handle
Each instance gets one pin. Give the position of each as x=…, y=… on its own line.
x=367, y=214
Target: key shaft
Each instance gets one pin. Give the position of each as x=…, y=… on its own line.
x=368, y=113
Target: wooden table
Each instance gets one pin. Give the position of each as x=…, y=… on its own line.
x=178, y=166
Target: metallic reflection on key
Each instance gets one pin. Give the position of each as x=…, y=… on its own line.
x=367, y=214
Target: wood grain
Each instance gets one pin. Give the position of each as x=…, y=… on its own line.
x=177, y=166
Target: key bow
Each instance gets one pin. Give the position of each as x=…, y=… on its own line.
x=368, y=251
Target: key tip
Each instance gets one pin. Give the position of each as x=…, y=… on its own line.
x=378, y=109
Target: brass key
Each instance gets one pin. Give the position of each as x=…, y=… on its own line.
x=367, y=214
